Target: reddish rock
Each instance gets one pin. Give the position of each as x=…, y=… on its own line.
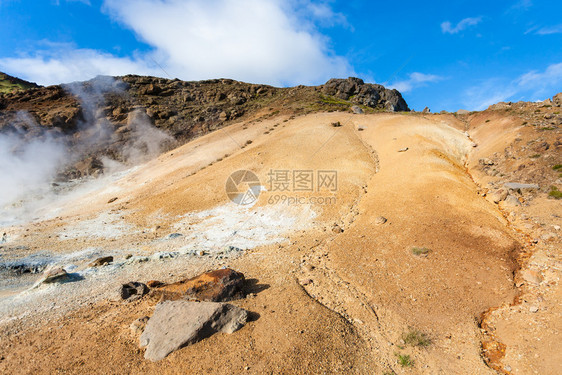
x=214, y=286
x=154, y=283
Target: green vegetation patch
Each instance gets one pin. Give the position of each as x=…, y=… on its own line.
x=416, y=338
x=420, y=251
x=405, y=360
x=555, y=193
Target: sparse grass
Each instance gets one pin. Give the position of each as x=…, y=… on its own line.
x=404, y=360
x=248, y=142
x=555, y=193
x=547, y=128
x=416, y=338
x=488, y=120
x=420, y=251
x=535, y=156
x=332, y=100
x=524, y=123
x=557, y=167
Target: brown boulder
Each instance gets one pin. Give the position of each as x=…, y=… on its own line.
x=101, y=261
x=214, y=286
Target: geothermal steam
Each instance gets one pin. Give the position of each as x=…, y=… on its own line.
x=31, y=156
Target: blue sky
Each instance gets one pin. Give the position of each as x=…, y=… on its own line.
x=445, y=55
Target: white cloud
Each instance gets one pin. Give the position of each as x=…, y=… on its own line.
x=416, y=80
x=265, y=41
x=557, y=29
x=522, y=4
x=447, y=27
x=63, y=64
x=531, y=86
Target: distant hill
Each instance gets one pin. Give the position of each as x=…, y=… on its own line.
x=10, y=84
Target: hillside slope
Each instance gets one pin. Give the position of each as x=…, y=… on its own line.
x=10, y=84
x=337, y=288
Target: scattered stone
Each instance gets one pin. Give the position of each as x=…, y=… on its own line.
x=305, y=282
x=426, y=110
x=214, y=286
x=137, y=259
x=532, y=277
x=336, y=124
x=519, y=186
x=231, y=249
x=309, y=267
x=176, y=324
x=497, y=196
x=511, y=201
x=172, y=236
x=101, y=261
x=54, y=274
x=138, y=325
x=165, y=255
x=357, y=110
x=337, y=229
x=360, y=128
x=128, y=256
x=112, y=200
x=403, y=149
x=133, y=291
x=379, y=220
x=533, y=309
x=485, y=161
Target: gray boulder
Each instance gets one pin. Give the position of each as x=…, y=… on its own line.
x=176, y=324
x=357, y=110
x=520, y=186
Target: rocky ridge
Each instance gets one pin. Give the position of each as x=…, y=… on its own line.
x=96, y=118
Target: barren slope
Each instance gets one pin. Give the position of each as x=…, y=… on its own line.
x=326, y=300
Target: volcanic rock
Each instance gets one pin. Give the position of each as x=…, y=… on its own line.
x=214, y=286
x=357, y=91
x=176, y=324
x=101, y=261
x=133, y=291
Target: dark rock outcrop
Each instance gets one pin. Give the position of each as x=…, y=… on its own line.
x=370, y=95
